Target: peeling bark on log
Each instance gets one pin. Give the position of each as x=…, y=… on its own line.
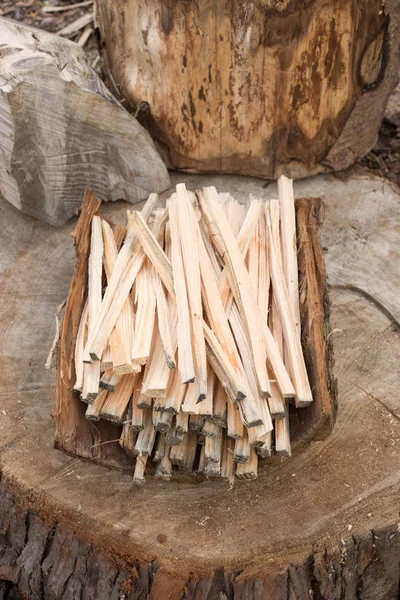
x=61, y=129
x=41, y=560
x=256, y=87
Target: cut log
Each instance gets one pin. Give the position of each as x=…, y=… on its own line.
x=258, y=87
x=52, y=100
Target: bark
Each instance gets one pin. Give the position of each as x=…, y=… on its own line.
x=257, y=88
x=60, y=130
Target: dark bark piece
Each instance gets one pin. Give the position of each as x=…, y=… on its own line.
x=257, y=88
x=61, y=129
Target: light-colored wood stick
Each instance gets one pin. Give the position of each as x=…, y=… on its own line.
x=156, y=373
x=192, y=407
x=190, y=454
x=213, y=451
x=91, y=376
x=248, y=470
x=210, y=429
x=140, y=469
x=189, y=233
x=159, y=448
x=106, y=362
x=128, y=438
x=145, y=301
x=196, y=423
x=259, y=434
x=146, y=438
x=93, y=410
x=242, y=448
x=182, y=422
x=121, y=336
x=174, y=437
x=162, y=421
x=159, y=404
x=79, y=347
x=295, y=352
x=166, y=322
x=276, y=402
x=185, y=351
x=116, y=403
x=289, y=245
x=109, y=380
x=265, y=450
x=228, y=466
x=220, y=400
x=227, y=246
x=282, y=435
x=177, y=454
x=137, y=418
x=234, y=422
x=175, y=393
x=164, y=468
x=129, y=261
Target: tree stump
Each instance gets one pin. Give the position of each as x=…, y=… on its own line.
x=322, y=525
x=255, y=87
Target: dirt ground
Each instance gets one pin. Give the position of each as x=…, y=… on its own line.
x=383, y=158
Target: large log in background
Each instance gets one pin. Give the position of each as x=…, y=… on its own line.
x=256, y=87
x=322, y=526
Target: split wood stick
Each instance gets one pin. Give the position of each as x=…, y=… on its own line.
x=282, y=435
x=93, y=410
x=259, y=434
x=174, y=437
x=106, y=362
x=182, y=422
x=189, y=232
x=159, y=404
x=226, y=245
x=276, y=402
x=121, y=336
x=119, y=233
x=192, y=407
x=145, y=301
x=190, y=454
x=116, y=403
x=177, y=453
x=162, y=421
x=289, y=245
x=265, y=450
x=166, y=322
x=76, y=25
x=91, y=376
x=213, y=448
x=248, y=470
x=234, y=422
x=128, y=263
x=140, y=469
x=109, y=380
x=79, y=347
x=242, y=448
x=295, y=352
x=137, y=419
x=196, y=423
x=156, y=373
x=164, y=468
x=128, y=439
x=146, y=438
x=219, y=406
x=185, y=351
x=210, y=429
x=159, y=448
x=175, y=393
x=228, y=466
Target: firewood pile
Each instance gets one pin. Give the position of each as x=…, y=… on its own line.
x=190, y=334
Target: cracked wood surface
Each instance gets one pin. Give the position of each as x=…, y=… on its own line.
x=340, y=541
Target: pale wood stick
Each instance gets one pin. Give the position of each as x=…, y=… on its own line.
x=182, y=422
x=166, y=323
x=213, y=450
x=189, y=233
x=109, y=380
x=162, y=421
x=190, y=453
x=185, y=351
x=140, y=469
x=177, y=453
x=93, y=410
x=79, y=347
x=210, y=429
x=121, y=336
x=242, y=448
x=159, y=448
x=164, y=468
x=91, y=376
x=159, y=404
x=145, y=301
x=282, y=435
x=192, y=407
x=125, y=272
x=219, y=406
x=128, y=438
x=228, y=466
x=119, y=235
x=175, y=393
x=261, y=433
x=289, y=245
x=276, y=402
x=265, y=450
x=248, y=470
x=227, y=246
x=295, y=352
x=174, y=437
x=195, y=423
x=156, y=373
x=106, y=362
x=234, y=422
x=121, y=268
x=137, y=418
x=116, y=403
x=146, y=438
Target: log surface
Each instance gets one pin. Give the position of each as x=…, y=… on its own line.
x=256, y=87
x=61, y=129
x=325, y=521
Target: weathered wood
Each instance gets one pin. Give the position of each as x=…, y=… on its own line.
x=257, y=87
x=61, y=129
